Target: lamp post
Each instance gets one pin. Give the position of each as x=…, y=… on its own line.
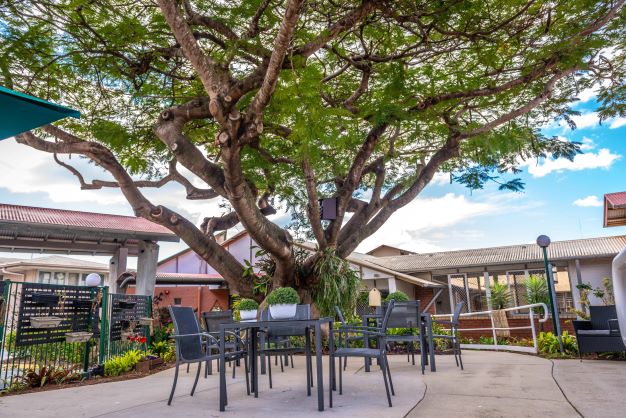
x=544, y=242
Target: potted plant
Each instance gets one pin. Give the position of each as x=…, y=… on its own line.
x=283, y=302
x=148, y=363
x=248, y=309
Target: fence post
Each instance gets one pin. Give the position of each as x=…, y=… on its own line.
x=493, y=330
x=88, y=342
x=149, y=327
x=104, y=324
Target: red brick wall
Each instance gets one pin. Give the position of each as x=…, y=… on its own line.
x=201, y=298
x=485, y=322
x=425, y=295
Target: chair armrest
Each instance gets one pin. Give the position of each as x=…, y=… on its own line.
x=581, y=324
x=613, y=325
x=198, y=334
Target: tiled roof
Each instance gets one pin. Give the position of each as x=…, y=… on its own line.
x=559, y=250
x=83, y=220
x=56, y=261
x=164, y=275
x=616, y=200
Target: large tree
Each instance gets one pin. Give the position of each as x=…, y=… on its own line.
x=273, y=102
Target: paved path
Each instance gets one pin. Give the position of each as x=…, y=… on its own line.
x=492, y=385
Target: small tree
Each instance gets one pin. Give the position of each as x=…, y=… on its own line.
x=500, y=296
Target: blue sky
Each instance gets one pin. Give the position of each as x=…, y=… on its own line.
x=561, y=199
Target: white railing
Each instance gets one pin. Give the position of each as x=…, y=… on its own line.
x=493, y=328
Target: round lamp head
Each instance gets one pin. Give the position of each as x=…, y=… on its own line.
x=543, y=241
x=93, y=279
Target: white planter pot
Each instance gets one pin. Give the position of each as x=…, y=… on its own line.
x=77, y=337
x=283, y=311
x=45, y=321
x=247, y=315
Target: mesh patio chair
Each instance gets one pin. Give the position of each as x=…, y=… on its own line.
x=453, y=337
x=379, y=353
x=278, y=336
x=406, y=315
x=348, y=337
x=195, y=346
x=234, y=342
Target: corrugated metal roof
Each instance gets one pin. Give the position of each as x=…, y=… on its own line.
x=55, y=261
x=70, y=218
x=559, y=250
x=616, y=200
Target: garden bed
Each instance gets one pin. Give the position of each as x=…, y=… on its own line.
x=93, y=381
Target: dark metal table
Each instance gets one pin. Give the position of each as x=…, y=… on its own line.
x=426, y=324
x=254, y=326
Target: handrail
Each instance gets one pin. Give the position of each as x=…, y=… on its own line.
x=493, y=328
x=514, y=308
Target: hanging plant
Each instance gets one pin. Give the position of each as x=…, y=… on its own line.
x=338, y=284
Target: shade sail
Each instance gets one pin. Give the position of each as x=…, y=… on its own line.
x=20, y=112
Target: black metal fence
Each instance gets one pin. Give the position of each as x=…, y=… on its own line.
x=70, y=327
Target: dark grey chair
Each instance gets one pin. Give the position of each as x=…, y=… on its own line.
x=193, y=345
x=379, y=353
x=407, y=315
x=276, y=342
x=454, y=333
x=601, y=333
x=234, y=342
x=348, y=337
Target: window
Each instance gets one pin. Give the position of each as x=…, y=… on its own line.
x=62, y=277
x=177, y=301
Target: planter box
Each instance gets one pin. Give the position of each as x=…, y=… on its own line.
x=47, y=299
x=248, y=315
x=283, y=311
x=126, y=304
x=146, y=321
x=148, y=364
x=77, y=337
x=45, y=321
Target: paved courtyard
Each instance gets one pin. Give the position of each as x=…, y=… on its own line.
x=492, y=385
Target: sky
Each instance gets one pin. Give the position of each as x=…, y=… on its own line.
x=562, y=199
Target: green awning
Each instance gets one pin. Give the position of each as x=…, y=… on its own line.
x=20, y=112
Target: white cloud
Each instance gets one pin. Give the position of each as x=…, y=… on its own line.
x=587, y=144
x=604, y=158
x=617, y=123
x=591, y=201
x=424, y=222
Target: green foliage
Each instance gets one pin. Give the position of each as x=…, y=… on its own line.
x=548, y=344
x=35, y=378
x=283, y=295
x=338, y=284
x=537, y=290
x=397, y=296
x=500, y=296
x=119, y=365
x=247, y=305
x=159, y=348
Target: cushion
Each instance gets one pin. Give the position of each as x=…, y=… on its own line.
x=596, y=332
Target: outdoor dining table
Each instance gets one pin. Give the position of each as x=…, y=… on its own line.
x=426, y=324
x=254, y=326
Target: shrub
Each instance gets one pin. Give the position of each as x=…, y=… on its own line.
x=548, y=344
x=500, y=296
x=537, y=290
x=283, y=295
x=122, y=364
x=248, y=305
x=35, y=378
x=397, y=296
x=159, y=348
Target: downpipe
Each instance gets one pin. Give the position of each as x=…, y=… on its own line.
x=619, y=290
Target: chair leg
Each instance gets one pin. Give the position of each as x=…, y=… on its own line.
x=206, y=369
x=282, y=369
x=269, y=369
x=460, y=357
x=234, y=364
x=169, y=401
x=245, y=365
x=311, y=372
x=195, y=383
x=393, y=392
x=381, y=361
x=341, y=378
x=187, y=367
x=413, y=353
x=291, y=360
x=345, y=362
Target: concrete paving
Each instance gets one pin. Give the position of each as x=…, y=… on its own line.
x=492, y=385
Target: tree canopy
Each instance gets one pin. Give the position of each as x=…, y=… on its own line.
x=290, y=101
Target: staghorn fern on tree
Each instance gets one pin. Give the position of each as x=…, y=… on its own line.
x=338, y=284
